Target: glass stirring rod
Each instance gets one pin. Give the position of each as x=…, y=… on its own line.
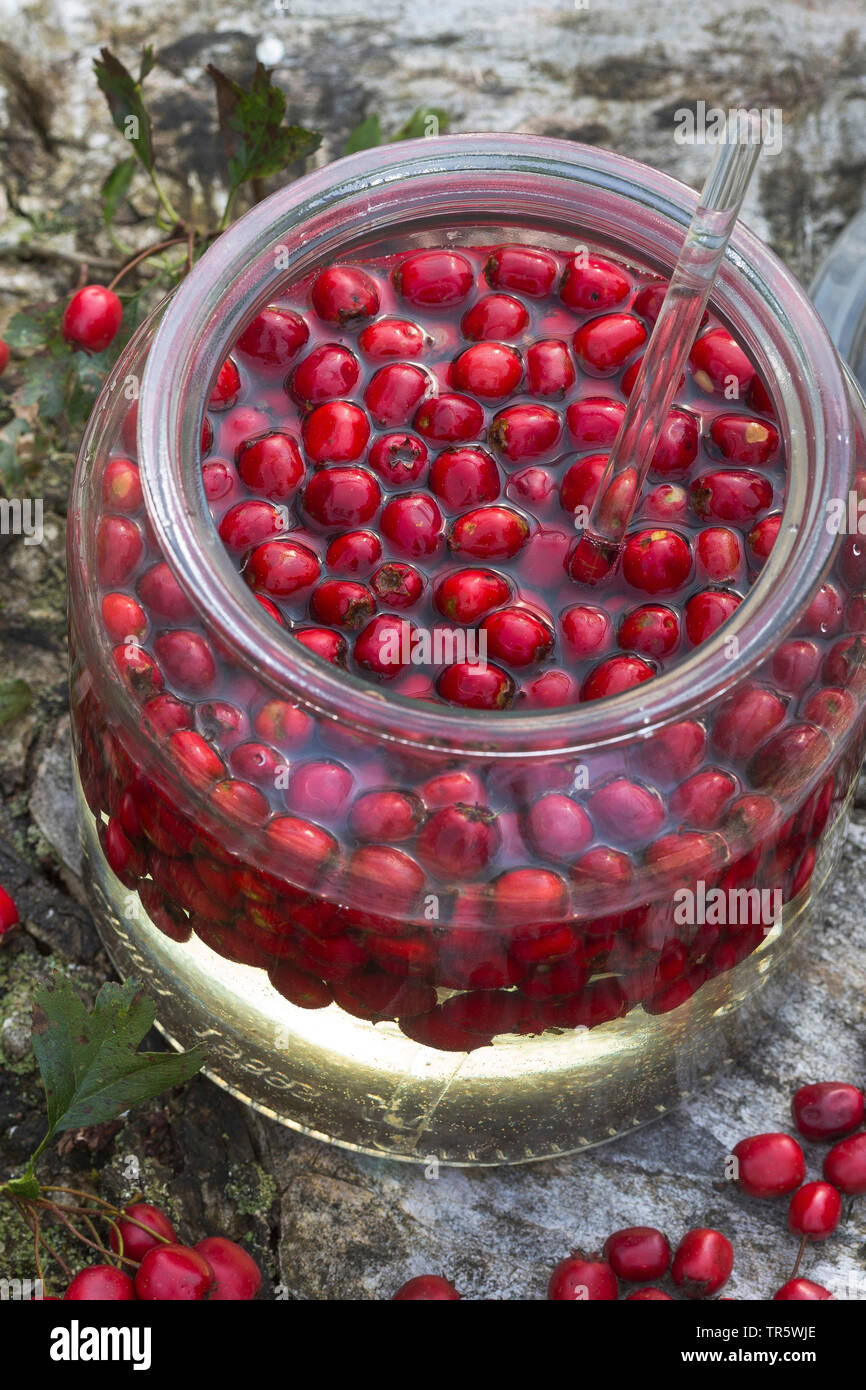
x=676, y=328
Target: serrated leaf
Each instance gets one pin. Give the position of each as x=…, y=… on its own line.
x=116, y=187
x=364, y=136
x=46, y=383
x=125, y=103
x=256, y=142
x=425, y=120
x=89, y=1063
x=30, y=328
x=15, y=697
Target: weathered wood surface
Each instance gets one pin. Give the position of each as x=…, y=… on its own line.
x=328, y=1224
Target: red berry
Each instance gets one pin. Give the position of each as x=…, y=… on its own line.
x=575, y=1278
x=591, y=284
x=384, y=815
x=273, y=466
x=637, y=1253
x=392, y=338
x=468, y=595
x=626, y=811
x=343, y=293
x=356, y=552
x=762, y=538
x=336, y=432
x=395, y=392
x=450, y=418
x=427, y=1288
x=121, y=486
x=534, y=895
x=706, y=611
x=398, y=458
x=741, y=440
x=173, y=1273
x=721, y=366
x=397, y=585
x=383, y=646
x=815, y=1211
x=495, y=316
x=516, y=636
x=656, y=561
x=273, y=339
x=827, y=1109
x=614, y=675
x=746, y=720
x=489, y=370
x=342, y=603
x=328, y=373
x=558, y=828
x=521, y=268
x=795, y=666
x=101, y=1284
x=4, y=356
x=282, y=568
x=434, y=278
x=412, y=524
x=648, y=1295
x=605, y=344
x=237, y=1277
x=549, y=368
x=701, y=799
x=458, y=841
x=734, y=495
x=845, y=1165
x=123, y=617
x=91, y=318
x=769, y=1165
x=136, y=1241
x=464, y=478
x=594, y=420
x=702, y=1263
x=580, y=482
x=342, y=496
x=249, y=523
x=586, y=630
x=671, y=753
x=803, y=1290
x=525, y=431
x=651, y=630
x=678, y=444
x=649, y=301
x=119, y=547
x=8, y=911
x=321, y=641
x=187, y=660
x=489, y=533
x=719, y=555
x=226, y=387
x=476, y=687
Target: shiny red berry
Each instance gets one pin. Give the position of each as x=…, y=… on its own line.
x=702, y=1263
x=769, y=1165
x=827, y=1109
x=92, y=318
x=173, y=1273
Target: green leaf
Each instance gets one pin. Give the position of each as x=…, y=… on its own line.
x=425, y=120
x=30, y=328
x=15, y=697
x=148, y=62
x=125, y=102
x=10, y=468
x=256, y=142
x=364, y=136
x=116, y=187
x=46, y=383
x=90, y=1066
x=26, y=1187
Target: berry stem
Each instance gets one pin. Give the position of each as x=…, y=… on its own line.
x=799, y=1257
x=165, y=201
x=150, y=251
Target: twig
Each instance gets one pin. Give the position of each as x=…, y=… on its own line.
x=41, y=251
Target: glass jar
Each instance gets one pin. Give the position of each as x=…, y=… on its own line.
x=535, y=1007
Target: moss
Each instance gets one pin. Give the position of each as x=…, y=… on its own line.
x=251, y=1190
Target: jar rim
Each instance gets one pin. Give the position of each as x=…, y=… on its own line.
x=212, y=306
